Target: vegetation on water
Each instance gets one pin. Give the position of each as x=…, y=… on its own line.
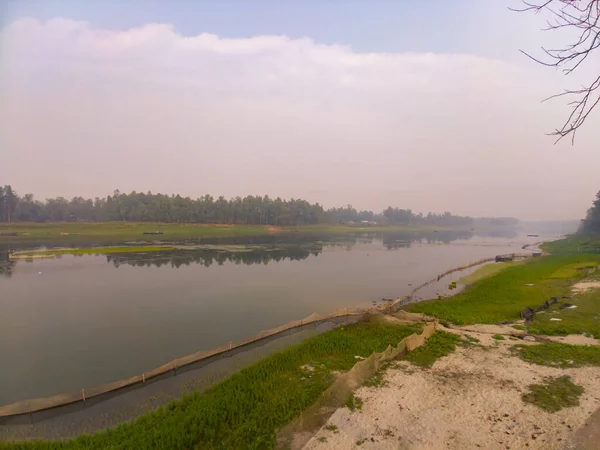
x=245, y=410
x=554, y=394
x=440, y=344
x=501, y=297
x=559, y=355
x=485, y=271
x=90, y=251
x=250, y=210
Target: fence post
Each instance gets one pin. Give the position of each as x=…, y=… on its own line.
x=230, y=344
x=83, y=396
x=143, y=378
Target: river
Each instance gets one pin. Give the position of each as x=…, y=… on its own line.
x=74, y=322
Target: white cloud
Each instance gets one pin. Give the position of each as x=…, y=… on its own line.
x=148, y=108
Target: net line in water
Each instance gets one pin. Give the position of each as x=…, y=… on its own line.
x=28, y=411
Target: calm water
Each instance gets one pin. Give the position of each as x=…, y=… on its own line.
x=78, y=321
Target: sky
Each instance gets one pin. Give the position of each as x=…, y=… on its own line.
x=421, y=105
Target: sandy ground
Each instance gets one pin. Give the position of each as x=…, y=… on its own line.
x=469, y=399
x=585, y=286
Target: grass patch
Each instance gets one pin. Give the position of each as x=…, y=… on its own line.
x=585, y=319
x=440, y=344
x=245, y=410
x=502, y=296
x=575, y=270
x=377, y=380
x=354, y=403
x=554, y=394
x=559, y=355
x=519, y=327
x=485, y=271
x=332, y=428
x=90, y=251
x=577, y=243
x=498, y=337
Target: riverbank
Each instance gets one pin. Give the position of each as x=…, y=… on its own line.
x=488, y=362
x=121, y=232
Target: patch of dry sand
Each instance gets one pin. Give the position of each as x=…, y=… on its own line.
x=470, y=399
x=585, y=286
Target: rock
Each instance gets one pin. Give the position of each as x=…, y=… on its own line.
x=527, y=314
x=529, y=338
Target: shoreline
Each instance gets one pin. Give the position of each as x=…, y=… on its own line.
x=121, y=232
x=40, y=404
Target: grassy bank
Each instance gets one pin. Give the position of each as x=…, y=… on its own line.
x=502, y=296
x=576, y=243
x=486, y=271
x=117, y=232
x=245, y=410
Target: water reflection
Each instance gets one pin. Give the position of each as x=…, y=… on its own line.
x=178, y=258
x=263, y=249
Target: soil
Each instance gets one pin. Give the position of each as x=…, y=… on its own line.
x=468, y=399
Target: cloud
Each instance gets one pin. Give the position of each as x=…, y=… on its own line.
x=148, y=108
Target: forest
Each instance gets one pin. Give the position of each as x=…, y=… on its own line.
x=249, y=210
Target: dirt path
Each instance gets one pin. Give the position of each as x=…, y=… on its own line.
x=469, y=399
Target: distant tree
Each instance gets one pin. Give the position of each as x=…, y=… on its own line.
x=591, y=224
x=10, y=202
x=583, y=18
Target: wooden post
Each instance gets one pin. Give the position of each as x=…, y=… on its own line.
x=143, y=378
x=230, y=344
x=83, y=396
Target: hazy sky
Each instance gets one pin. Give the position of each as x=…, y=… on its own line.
x=422, y=105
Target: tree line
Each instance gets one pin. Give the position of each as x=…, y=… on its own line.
x=249, y=210
x=591, y=223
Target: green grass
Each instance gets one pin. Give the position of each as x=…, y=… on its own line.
x=519, y=327
x=354, y=403
x=502, y=296
x=119, y=232
x=245, y=410
x=440, y=344
x=486, y=271
x=577, y=243
x=498, y=337
x=559, y=355
x=554, y=394
x=90, y=251
x=377, y=380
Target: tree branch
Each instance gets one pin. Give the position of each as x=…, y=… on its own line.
x=583, y=15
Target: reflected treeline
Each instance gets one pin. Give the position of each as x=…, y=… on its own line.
x=178, y=258
x=6, y=265
x=265, y=249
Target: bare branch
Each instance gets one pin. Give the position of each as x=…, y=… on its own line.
x=582, y=15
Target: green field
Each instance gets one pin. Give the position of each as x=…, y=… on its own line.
x=577, y=243
x=245, y=410
x=120, y=232
x=502, y=296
